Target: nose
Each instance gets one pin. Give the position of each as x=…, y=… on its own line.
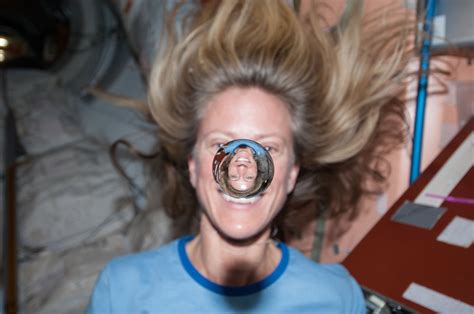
x=242, y=171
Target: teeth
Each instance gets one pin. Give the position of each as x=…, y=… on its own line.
x=243, y=159
x=240, y=200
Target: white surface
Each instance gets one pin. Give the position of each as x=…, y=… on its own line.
x=72, y=204
x=435, y=301
x=460, y=232
x=46, y=115
x=439, y=29
x=382, y=204
x=449, y=175
x=61, y=282
x=69, y=196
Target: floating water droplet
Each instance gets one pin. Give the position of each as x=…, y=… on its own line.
x=243, y=168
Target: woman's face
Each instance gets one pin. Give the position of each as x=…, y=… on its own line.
x=242, y=169
x=248, y=113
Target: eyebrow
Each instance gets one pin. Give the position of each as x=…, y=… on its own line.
x=233, y=135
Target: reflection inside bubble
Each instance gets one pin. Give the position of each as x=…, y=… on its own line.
x=242, y=168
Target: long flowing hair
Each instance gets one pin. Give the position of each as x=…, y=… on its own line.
x=343, y=86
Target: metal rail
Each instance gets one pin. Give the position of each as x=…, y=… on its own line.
x=422, y=90
x=12, y=150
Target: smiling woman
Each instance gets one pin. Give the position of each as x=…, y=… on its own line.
x=243, y=113
x=316, y=100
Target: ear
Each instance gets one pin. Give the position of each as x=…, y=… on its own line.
x=192, y=171
x=292, y=176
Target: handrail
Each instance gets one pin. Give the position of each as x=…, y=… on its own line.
x=12, y=150
x=422, y=91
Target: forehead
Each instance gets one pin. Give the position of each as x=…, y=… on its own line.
x=246, y=113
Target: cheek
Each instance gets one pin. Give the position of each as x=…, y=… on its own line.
x=286, y=174
x=200, y=169
x=232, y=171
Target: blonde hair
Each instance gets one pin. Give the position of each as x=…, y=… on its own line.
x=341, y=86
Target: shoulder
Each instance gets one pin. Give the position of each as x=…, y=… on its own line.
x=144, y=264
x=331, y=282
x=125, y=281
x=306, y=265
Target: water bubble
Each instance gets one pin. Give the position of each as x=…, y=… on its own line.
x=243, y=168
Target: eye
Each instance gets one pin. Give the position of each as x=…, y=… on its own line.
x=271, y=149
x=215, y=146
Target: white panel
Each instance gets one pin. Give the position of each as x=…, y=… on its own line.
x=449, y=175
x=436, y=301
x=460, y=232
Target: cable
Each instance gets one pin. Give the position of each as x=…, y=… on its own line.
x=113, y=155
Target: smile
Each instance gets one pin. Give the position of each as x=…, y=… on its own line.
x=250, y=200
x=243, y=159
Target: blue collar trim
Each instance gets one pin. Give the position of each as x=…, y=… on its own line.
x=226, y=290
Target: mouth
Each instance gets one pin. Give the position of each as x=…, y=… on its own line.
x=250, y=200
x=242, y=160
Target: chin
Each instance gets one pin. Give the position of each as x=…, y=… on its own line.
x=240, y=231
x=239, y=237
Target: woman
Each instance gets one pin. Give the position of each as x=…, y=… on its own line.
x=254, y=70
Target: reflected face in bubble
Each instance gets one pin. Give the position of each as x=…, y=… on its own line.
x=242, y=169
x=242, y=113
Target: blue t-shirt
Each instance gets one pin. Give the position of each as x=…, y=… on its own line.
x=165, y=281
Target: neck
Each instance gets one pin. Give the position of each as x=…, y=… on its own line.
x=232, y=263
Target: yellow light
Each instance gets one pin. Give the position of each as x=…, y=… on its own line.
x=3, y=42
